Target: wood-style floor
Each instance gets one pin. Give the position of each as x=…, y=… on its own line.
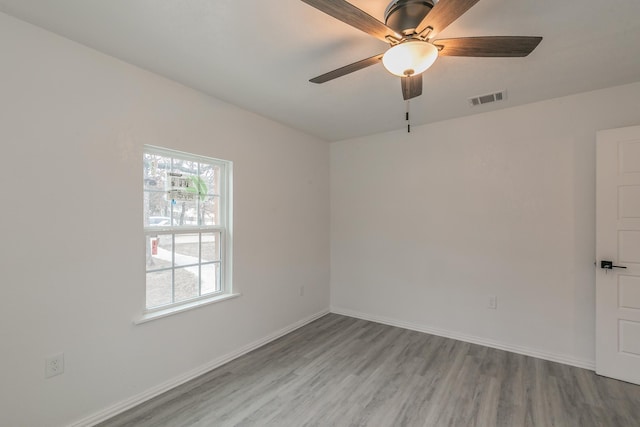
x=340, y=371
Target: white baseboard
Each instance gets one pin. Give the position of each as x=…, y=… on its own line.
x=553, y=357
x=126, y=404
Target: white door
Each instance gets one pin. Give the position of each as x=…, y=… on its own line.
x=618, y=241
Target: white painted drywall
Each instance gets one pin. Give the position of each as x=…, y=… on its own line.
x=426, y=226
x=72, y=126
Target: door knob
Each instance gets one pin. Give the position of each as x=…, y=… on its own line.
x=608, y=265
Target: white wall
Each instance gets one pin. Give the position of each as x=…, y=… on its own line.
x=72, y=126
x=425, y=226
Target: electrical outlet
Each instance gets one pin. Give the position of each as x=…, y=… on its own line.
x=493, y=302
x=302, y=290
x=54, y=365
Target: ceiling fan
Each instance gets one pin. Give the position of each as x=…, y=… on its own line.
x=410, y=27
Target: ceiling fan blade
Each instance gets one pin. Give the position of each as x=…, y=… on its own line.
x=411, y=86
x=349, y=14
x=443, y=14
x=492, y=46
x=347, y=69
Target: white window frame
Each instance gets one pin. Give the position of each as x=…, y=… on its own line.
x=224, y=228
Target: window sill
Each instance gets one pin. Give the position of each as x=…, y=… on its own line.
x=158, y=314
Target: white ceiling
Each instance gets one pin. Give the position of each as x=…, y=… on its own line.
x=260, y=54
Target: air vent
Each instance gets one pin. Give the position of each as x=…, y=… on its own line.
x=486, y=99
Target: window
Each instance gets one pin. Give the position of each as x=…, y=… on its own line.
x=187, y=205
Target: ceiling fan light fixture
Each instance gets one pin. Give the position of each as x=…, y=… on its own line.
x=410, y=58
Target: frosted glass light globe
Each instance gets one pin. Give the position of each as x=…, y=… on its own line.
x=410, y=58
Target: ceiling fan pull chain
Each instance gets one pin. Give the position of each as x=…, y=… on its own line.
x=407, y=117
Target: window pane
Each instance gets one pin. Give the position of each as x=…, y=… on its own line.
x=157, y=210
x=155, y=202
x=185, y=213
x=159, y=288
x=187, y=249
x=182, y=184
x=186, y=283
x=210, y=278
x=210, y=247
x=155, y=169
x=184, y=167
x=210, y=211
x=210, y=175
x=159, y=252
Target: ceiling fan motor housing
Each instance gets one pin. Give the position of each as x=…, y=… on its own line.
x=405, y=15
